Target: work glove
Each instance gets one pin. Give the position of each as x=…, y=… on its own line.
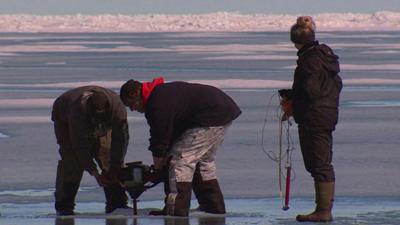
x=286, y=103
x=112, y=175
x=160, y=162
x=287, y=107
x=156, y=176
x=102, y=181
x=105, y=180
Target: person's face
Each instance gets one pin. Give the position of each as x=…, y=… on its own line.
x=134, y=103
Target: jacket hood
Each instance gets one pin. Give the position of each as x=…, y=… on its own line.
x=148, y=87
x=325, y=54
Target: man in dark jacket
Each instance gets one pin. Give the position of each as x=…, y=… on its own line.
x=90, y=123
x=187, y=125
x=313, y=101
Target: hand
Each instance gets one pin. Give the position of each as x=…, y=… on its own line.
x=112, y=175
x=287, y=108
x=99, y=178
x=159, y=162
x=157, y=176
x=104, y=180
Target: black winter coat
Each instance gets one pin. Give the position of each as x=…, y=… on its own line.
x=174, y=107
x=316, y=87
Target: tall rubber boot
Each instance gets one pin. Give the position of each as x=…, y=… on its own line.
x=209, y=196
x=65, y=198
x=178, y=203
x=65, y=221
x=67, y=184
x=115, y=198
x=324, y=194
x=163, y=211
x=212, y=220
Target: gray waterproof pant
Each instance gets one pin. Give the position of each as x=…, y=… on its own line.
x=195, y=149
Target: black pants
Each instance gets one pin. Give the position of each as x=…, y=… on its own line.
x=316, y=147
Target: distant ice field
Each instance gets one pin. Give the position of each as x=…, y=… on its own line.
x=211, y=22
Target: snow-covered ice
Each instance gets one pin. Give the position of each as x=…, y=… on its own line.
x=219, y=21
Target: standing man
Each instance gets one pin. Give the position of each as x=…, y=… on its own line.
x=187, y=125
x=90, y=123
x=313, y=101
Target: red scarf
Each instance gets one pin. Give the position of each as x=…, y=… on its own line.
x=148, y=87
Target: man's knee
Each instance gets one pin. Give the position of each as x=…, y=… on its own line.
x=323, y=174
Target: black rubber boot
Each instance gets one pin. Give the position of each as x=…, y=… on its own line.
x=66, y=189
x=208, y=194
x=179, y=202
x=65, y=212
x=210, y=197
x=115, y=198
x=163, y=211
x=65, y=199
x=65, y=221
x=324, y=194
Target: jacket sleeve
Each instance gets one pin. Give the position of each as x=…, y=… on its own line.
x=81, y=144
x=286, y=93
x=161, y=131
x=119, y=142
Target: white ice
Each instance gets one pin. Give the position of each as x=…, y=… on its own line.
x=3, y=135
x=252, y=57
x=26, y=102
x=39, y=119
x=363, y=67
x=219, y=21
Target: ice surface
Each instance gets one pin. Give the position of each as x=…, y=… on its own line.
x=361, y=67
x=219, y=21
x=27, y=102
x=366, y=156
x=392, y=103
x=29, y=192
x=40, y=119
x=252, y=57
x=9, y=50
x=222, y=83
x=24, y=119
x=3, y=135
x=37, y=192
x=265, y=211
x=389, y=46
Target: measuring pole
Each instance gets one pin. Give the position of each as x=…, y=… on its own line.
x=287, y=189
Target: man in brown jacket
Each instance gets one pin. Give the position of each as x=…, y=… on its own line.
x=90, y=123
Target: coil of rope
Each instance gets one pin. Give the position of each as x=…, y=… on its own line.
x=279, y=156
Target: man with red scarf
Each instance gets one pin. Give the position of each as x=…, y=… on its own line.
x=187, y=125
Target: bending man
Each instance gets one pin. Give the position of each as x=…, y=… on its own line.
x=187, y=125
x=90, y=123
